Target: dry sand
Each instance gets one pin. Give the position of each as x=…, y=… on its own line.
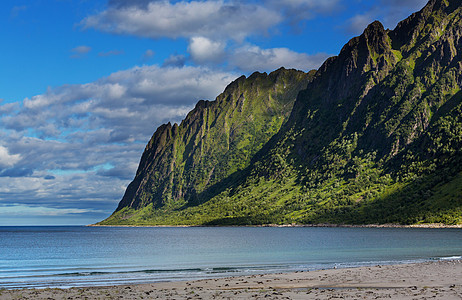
x=430, y=280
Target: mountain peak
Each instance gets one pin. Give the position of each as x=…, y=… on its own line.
x=374, y=28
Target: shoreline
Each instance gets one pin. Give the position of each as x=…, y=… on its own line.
x=429, y=225
x=434, y=279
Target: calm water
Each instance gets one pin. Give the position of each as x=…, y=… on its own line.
x=84, y=256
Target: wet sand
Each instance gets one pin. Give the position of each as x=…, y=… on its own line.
x=429, y=280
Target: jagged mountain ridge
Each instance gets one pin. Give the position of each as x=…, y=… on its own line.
x=215, y=140
x=374, y=138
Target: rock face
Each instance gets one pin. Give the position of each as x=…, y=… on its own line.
x=374, y=136
x=214, y=141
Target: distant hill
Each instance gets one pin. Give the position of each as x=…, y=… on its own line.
x=373, y=136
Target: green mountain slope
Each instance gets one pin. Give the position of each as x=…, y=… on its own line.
x=375, y=137
x=183, y=164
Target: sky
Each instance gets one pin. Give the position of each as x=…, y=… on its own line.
x=85, y=83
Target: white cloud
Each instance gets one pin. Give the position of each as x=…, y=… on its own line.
x=204, y=50
x=7, y=108
x=128, y=95
x=216, y=29
x=24, y=210
x=7, y=159
x=135, y=101
x=251, y=58
x=211, y=19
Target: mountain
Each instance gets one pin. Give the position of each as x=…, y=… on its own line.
x=374, y=136
x=182, y=164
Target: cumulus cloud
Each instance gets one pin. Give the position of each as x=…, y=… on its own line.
x=127, y=104
x=7, y=159
x=211, y=19
x=252, y=57
x=7, y=108
x=216, y=30
x=204, y=50
x=249, y=58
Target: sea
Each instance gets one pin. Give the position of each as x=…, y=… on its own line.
x=76, y=256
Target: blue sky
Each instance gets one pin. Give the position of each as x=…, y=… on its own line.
x=85, y=83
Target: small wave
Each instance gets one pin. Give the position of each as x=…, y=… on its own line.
x=211, y=270
x=99, y=278
x=451, y=258
x=147, y=271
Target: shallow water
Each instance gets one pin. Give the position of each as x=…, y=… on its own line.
x=89, y=256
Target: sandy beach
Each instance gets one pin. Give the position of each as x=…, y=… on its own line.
x=429, y=280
